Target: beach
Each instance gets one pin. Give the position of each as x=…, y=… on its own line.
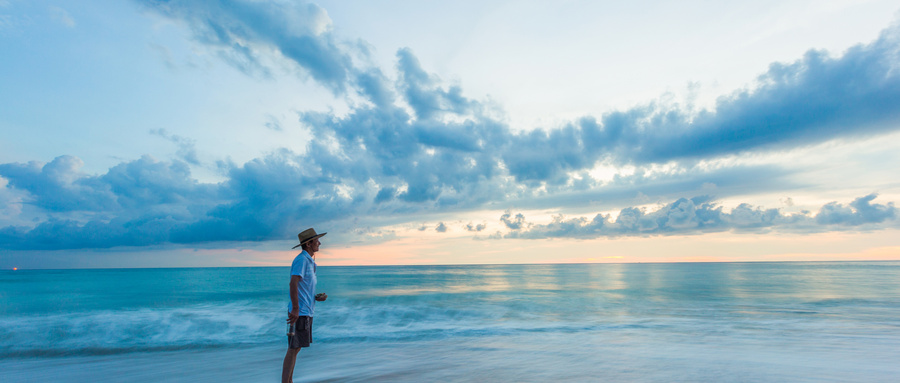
x=614, y=322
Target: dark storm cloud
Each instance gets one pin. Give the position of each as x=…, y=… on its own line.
x=702, y=215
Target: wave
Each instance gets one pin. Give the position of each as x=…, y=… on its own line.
x=249, y=322
x=364, y=310
x=109, y=332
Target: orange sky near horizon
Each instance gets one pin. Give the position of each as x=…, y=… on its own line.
x=719, y=247
x=429, y=249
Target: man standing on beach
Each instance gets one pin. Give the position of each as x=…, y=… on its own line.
x=303, y=300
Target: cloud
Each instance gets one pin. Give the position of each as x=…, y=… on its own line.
x=147, y=201
x=441, y=228
x=411, y=160
x=678, y=180
x=135, y=203
x=475, y=228
x=10, y=202
x=811, y=100
x=146, y=182
x=273, y=123
x=511, y=223
x=186, y=147
x=860, y=212
x=244, y=32
x=702, y=215
x=422, y=91
x=417, y=145
x=814, y=99
x=58, y=186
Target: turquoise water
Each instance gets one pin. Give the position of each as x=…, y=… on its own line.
x=633, y=322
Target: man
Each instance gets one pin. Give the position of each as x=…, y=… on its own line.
x=303, y=300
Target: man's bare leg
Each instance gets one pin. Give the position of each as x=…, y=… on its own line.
x=287, y=370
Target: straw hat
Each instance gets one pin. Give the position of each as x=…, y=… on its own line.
x=307, y=235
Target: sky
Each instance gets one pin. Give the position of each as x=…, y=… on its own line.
x=210, y=133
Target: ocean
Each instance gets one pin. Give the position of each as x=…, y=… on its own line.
x=675, y=322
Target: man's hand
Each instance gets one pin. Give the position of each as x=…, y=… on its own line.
x=293, y=315
x=321, y=297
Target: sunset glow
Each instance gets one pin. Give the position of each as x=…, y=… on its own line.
x=177, y=133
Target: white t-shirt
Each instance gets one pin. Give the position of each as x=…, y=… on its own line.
x=305, y=267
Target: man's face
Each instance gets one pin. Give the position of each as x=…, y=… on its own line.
x=314, y=245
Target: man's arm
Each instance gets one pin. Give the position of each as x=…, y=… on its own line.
x=295, y=300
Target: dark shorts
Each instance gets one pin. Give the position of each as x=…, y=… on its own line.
x=302, y=333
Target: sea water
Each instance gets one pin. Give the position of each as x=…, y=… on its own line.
x=734, y=322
